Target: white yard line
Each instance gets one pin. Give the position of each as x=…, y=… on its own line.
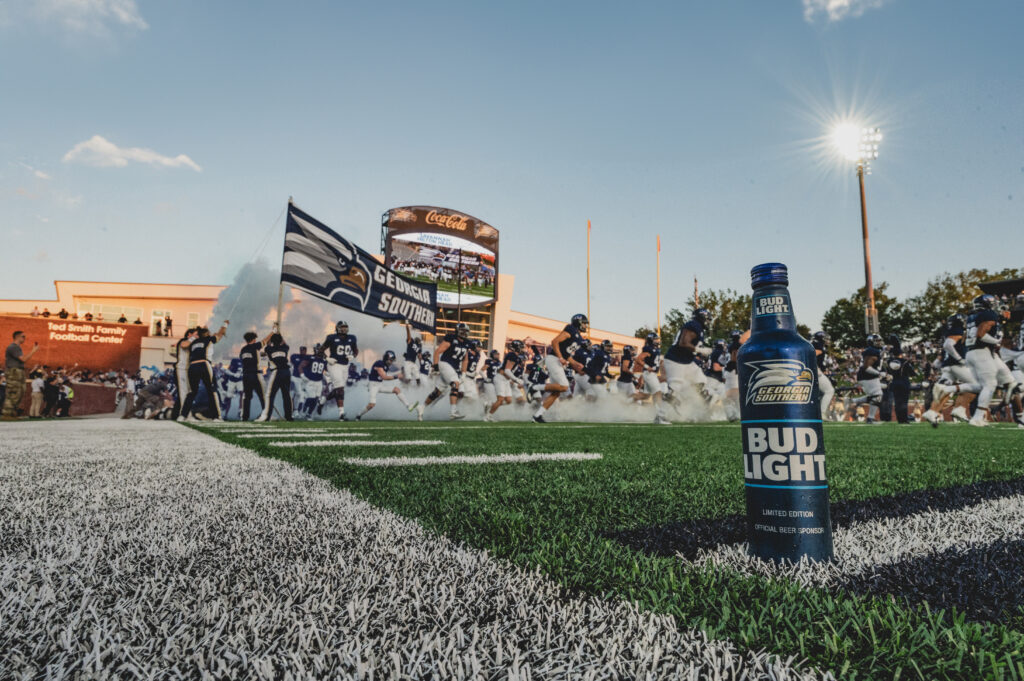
x=197, y=558
x=356, y=443
x=483, y=459
x=293, y=434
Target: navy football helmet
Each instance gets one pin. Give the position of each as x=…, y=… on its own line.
x=462, y=330
x=580, y=322
x=703, y=315
x=341, y=327
x=389, y=358
x=654, y=339
x=985, y=301
x=875, y=341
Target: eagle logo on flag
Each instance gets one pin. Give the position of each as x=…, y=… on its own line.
x=324, y=263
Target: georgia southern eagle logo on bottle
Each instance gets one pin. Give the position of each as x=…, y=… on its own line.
x=779, y=381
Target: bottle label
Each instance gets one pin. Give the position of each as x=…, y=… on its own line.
x=772, y=304
x=779, y=381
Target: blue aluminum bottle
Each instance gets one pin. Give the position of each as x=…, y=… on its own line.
x=783, y=449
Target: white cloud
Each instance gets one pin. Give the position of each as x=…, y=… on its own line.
x=102, y=153
x=837, y=10
x=36, y=172
x=90, y=16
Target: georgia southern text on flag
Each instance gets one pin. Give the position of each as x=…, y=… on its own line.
x=321, y=262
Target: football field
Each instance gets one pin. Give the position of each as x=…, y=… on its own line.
x=929, y=528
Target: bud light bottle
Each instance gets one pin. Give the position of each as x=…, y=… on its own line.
x=783, y=449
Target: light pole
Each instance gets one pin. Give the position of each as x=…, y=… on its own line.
x=860, y=145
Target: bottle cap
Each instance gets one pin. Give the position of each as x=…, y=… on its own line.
x=769, y=273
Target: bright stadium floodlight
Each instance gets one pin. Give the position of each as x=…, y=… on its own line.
x=860, y=145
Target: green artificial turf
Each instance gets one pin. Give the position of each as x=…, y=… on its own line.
x=560, y=517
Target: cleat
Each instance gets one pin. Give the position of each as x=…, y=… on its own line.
x=343, y=418
x=359, y=418
x=488, y=418
x=960, y=414
x=539, y=419
x=455, y=416
x=419, y=412
x=413, y=407
x=980, y=423
x=661, y=421
x=931, y=417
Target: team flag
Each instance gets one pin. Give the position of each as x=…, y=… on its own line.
x=321, y=262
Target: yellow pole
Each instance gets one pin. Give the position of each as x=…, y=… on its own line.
x=588, y=277
x=657, y=296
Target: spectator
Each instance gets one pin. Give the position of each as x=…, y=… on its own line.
x=14, y=361
x=167, y=324
x=35, y=311
x=63, y=314
x=46, y=312
x=122, y=319
x=137, y=321
x=88, y=316
x=67, y=396
x=158, y=331
x=74, y=315
x=35, y=409
x=99, y=316
x=51, y=392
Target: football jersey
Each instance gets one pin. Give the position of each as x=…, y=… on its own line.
x=971, y=332
x=678, y=354
x=568, y=347
x=652, y=361
x=735, y=345
x=374, y=374
x=597, y=364
x=626, y=367
x=341, y=348
x=412, y=350
x=491, y=367
x=199, y=350
x=819, y=344
x=959, y=346
x=870, y=352
x=536, y=374
x=250, y=356
x=520, y=366
x=426, y=366
x=718, y=356
x=278, y=355
x=473, y=361
x=516, y=359
x=296, y=361
x=455, y=352
x=314, y=369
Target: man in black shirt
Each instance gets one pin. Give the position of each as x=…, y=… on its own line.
x=251, y=383
x=280, y=377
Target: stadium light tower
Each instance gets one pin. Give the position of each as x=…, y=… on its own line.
x=860, y=145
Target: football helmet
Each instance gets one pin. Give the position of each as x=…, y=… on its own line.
x=389, y=358
x=607, y=346
x=462, y=330
x=517, y=346
x=341, y=328
x=495, y=355
x=736, y=334
x=653, y=339
x=821, y=336
x=703, y=315
x=580, y=322
x=985, y=301
x=875, y=341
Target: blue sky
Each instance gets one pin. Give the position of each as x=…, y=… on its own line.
x=158, y=141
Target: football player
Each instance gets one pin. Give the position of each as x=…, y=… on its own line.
x=648, y=365
x=954, y=370
x=506, y=376
x=251, y=382
x=468, y=379
x=820, y=344
x=411, y=358
x=869, y=376
x=563, y=347
x=379, y=373
x=625, y=383
x=230, y=383
x=716, y=368
x=682, y=373
x=298, y=364
x=595, y=371
x=489, y=369
x=450, y=363
x=341, y=348
x=313, y=382
x=731, y=375
x=982, y=338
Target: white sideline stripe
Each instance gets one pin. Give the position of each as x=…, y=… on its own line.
x=236, y=431
x=863, y=546
x=492, y=458
x=356, y=443
x=285, y=433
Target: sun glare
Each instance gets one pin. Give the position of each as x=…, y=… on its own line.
x=846, y=138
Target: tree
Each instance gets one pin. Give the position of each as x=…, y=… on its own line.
x=642, y=332
x=844, y=321
x=948, y=294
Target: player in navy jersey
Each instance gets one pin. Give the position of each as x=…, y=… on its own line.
x=230, y=383
x=450, y=360
x=297, y=361
x=380, y=372
x=519, y=372
x=581, y=356
x=536, y=376
x=489, y=369
x=252, y=384
x=954, y=369
x=411, y=358
x=468, y=379
x=595, y=370
x=682, y=372
x=648, y=366
x=280, y=377
x=731, y=375
x=869, y=376
x=313, y=372
x=625, y=383
x=201, y=373
x=426, y=365
x=820, y=344
x=340, y=349
x=983, y=337
x=563, y=347
x=507, y=372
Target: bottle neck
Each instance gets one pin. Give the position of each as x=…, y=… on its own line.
x=771, y=310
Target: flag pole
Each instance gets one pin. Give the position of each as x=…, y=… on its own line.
x=696, y=292
x=588, y=277
x=657, y=295
x=280, y=288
